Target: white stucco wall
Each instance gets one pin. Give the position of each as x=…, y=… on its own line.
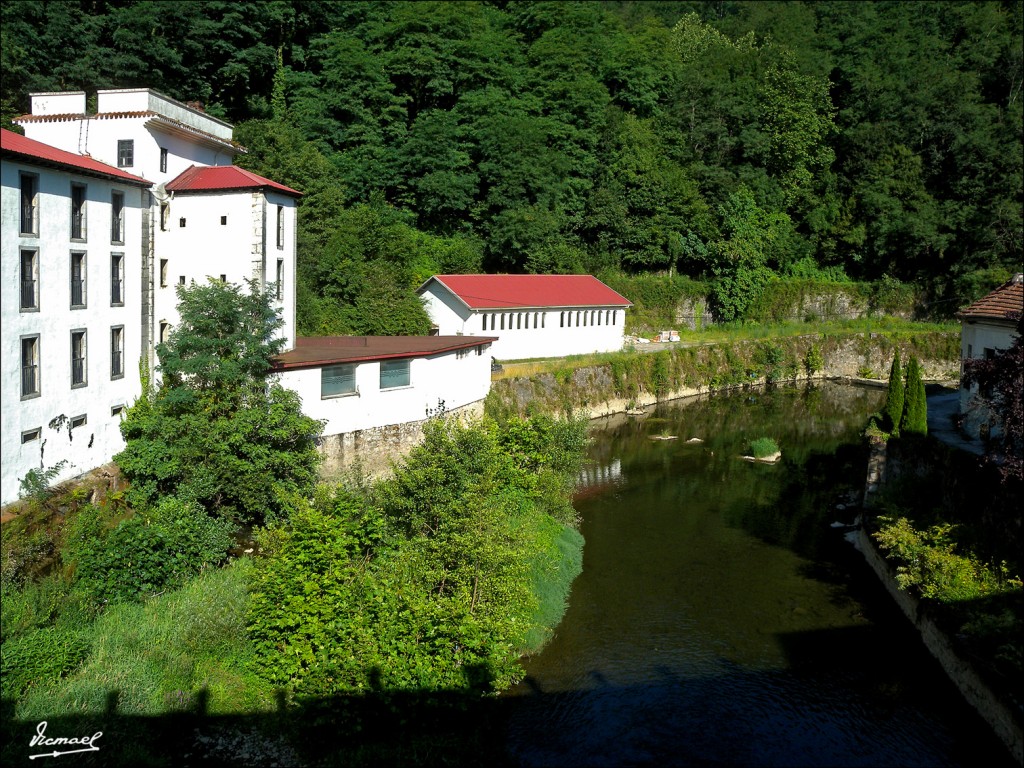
x=525, y=333
x=245, y=247
x=975, y=338
x=99, y=439
x=457, y=380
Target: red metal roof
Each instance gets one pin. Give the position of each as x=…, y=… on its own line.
x=502, y=291
x=1004, y=303
x=314, y=351
x=217, y=178
x=21, y=146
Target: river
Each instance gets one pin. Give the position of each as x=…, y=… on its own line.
x=720, y=619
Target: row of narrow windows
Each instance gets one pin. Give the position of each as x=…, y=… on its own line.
x=78, y=228
x=500, y=321
x=31, y=378
x=75, y=422
x=77, y=280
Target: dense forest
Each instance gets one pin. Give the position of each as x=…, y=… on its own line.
x=729, y=142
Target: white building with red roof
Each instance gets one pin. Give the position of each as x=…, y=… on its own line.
x=72, y=282
x=532, y=316
x=987, y=325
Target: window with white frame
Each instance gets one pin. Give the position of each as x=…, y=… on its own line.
x=29, y=279
x=30, y=435
x=78, y=275
x=117, y=217
x=337, y=380
x=78, y=194
x=125, y=153
x=117, y=279
x=78, y=359
x=117, y=352
x=30, y=384
x=394, y=373
x=29, y=204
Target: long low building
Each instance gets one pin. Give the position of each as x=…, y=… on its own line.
x=354, y=383
x=532, y=316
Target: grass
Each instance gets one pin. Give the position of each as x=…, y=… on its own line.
x=164, y=656
x=763, y=447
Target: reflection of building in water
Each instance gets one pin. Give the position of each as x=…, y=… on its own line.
x=596, y=475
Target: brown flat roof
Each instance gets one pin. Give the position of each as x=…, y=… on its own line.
x=316, y=351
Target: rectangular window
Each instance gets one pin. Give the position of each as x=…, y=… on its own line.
x=125, y=153
x=163, y=273
x=117, y=217
x=337, y=380
x=163, y=160
x=78, y=212
x=116, y=280
x=223, y=278
x=78, y=367
x=181, y=223
x=30, y=435
x=78, y=296
x=29, y=204
x=29, y=366
x=280, y=226
x=116, y=410
x=165, y=216
x=223, y=221
x=181, y=279
x=279, y=288
x=29, y=279
x=79, y=421
x=165, y=332
x=117, y=352
x=394, y=373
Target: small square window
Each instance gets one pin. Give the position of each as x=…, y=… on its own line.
x=116, y=410
x=31, y=434
x=181, y=280
x=223, y=221
x=181, y=222
x=79, y=421
x=223, y=278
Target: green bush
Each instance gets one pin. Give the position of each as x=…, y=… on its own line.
x=894, y=396
x=915, y=406
x=763, y=447
x=150, y=552
x=40, y=657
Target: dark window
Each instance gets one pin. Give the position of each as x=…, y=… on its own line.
x=181, y=279
x=280, y=226
x=29, y=279
x=117, y=217
x=181, y=222
x=78, y=296
x=279, y=288
x=125, y=153
x=394, y=373
x=223, y=278
x=116, y=410
x=117, y=352
x=337, y=380
x=29, y=366
x=29, y=204
x=78, y=212
x=165, y=332
x=78, y=367
x=31, y=434
x=163, y=160
x=223, y=221
x=78, y=421
x=116, y=280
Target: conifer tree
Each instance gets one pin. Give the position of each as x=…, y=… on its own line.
x=915, y=411
x=895, y=396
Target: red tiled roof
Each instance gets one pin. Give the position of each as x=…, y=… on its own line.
x=501, y=291
x=313, y=351
x=217, y=178
x=15, y=144
x=1004, y=303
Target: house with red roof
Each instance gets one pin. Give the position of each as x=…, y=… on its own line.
x=987, y=325
x=532, y=316
x=72, y=294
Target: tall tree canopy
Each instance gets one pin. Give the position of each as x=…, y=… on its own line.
x=558, y=137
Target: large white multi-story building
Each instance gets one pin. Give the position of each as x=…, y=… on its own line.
x=104, y=215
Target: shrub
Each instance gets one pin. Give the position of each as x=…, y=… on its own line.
x=39, y=657
x=763, y=447
x=153, y=551
x=915, y=408
x=894, y=396
x=814, y=361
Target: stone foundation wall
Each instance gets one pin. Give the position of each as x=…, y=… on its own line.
x=370, y=453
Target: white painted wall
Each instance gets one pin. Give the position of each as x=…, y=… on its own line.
x=529, y=333
x=245, y=247
x=975, y=338
x=458, y=379
x=99, y=439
